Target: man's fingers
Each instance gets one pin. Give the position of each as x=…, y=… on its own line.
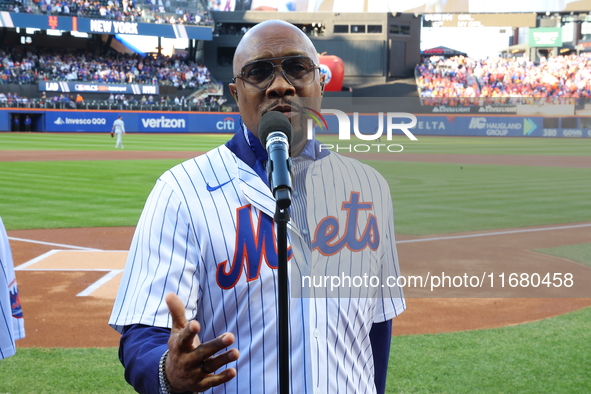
x=187, y=338
x=214, y=363
x=217, y=379
x=194, y=370
x=177, y=312
x=183, y=331
x=209, y=348
x=202, y=353
x=187, y=353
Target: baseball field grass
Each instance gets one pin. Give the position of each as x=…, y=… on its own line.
x=580, y=253
x=203, y=142
x=429, y=198
x=548, y=356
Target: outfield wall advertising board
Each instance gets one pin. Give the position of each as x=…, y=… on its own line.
x=479, y=126
x=79, y=121
x=144, y=122
x=218, y=122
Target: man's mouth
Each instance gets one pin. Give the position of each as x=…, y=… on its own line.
x=286, y=110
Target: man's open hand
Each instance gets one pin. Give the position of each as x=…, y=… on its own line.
x=190, y=365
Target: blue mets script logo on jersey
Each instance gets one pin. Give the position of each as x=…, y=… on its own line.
x=325, y=237
x=15, y=303
x=252, y=245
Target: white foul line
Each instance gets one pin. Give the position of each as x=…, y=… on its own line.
x=52, y=244
x=35, y=260
x=110, y=275
x=494, y=233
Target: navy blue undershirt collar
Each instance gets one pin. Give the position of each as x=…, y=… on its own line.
x=249, y=149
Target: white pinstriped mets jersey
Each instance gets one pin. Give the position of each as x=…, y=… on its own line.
x=207, y=234
x=12, y=325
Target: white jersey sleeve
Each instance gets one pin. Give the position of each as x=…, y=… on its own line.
x=162, y=259
x=12, y=325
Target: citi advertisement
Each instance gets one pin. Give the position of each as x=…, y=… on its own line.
x=215, y=123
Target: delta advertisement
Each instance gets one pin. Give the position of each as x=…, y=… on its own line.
x=486, y=126
x=493, y=126
x=367, y=124
x=462, y=125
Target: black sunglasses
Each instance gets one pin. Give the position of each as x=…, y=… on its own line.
x=259, y=74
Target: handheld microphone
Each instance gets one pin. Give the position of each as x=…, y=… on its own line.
x=275, y=134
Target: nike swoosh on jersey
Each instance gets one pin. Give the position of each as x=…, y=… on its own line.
x=215, y=187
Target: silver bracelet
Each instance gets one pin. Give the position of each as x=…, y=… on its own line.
x=164, y=384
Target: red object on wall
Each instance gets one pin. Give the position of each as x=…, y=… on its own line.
x=334, y=70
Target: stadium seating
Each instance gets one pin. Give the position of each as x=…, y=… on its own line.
x=194, y=13
x=20, y=67
x=465, y=81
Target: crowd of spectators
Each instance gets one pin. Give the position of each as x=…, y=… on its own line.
x=16, y=6
x=154, y=11
x=163, y=12
x=119, y=101
x=123, y=10
x=25, y=66
x=463, y=81
x=13, y=100
x=150, y=102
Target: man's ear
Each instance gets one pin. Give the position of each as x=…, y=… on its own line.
x=234, y=92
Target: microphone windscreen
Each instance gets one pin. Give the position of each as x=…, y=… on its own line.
x=274, y=121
